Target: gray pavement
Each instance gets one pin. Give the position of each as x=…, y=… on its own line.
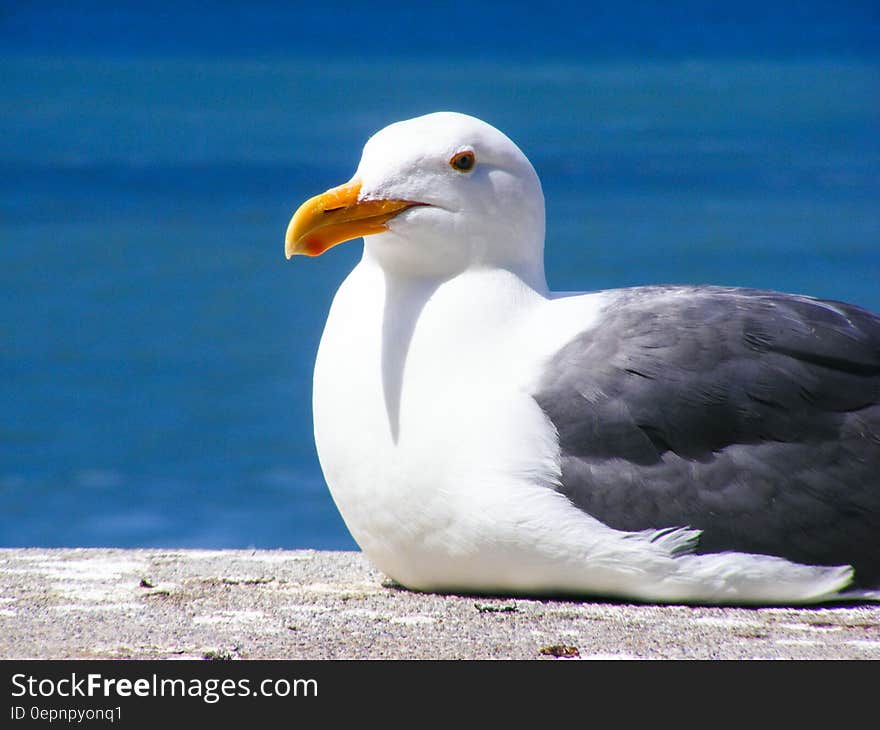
x=173, y=604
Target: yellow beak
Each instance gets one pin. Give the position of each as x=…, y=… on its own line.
x=337, y=216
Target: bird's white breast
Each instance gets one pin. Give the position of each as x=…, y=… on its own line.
x=430, y=441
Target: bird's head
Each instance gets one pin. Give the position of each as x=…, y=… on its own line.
x=433, y=195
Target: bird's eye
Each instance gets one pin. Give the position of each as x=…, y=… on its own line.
x=463, y=161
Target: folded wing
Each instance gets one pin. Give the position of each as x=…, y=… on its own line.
x=753, y=416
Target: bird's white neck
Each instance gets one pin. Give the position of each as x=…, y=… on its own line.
x=433, y=262
x=393, y=325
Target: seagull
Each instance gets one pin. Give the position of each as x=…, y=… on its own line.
x=481, y=434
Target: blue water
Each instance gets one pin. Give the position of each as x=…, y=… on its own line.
x=156, y=348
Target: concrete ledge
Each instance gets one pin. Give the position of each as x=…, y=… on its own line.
x=172, y=604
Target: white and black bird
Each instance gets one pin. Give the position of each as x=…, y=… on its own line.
x=480, y=433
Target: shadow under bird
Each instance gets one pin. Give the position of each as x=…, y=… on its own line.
x=480, y=433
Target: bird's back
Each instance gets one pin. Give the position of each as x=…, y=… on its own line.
x=753, y=416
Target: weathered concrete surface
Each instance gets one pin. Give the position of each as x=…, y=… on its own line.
x=99, y=603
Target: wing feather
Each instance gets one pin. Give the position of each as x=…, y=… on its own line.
x=752, y=416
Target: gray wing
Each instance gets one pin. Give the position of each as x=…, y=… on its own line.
x=753, y=416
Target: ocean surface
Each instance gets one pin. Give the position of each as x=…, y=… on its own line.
x=156, y=348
